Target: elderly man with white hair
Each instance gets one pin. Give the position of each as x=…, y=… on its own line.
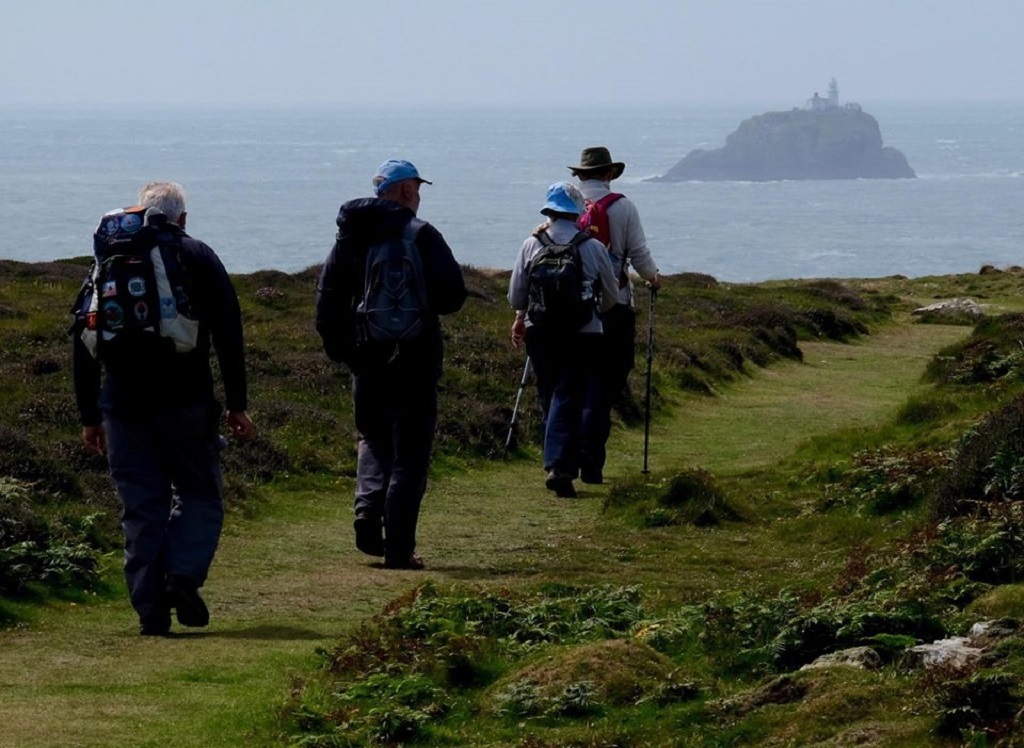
x=151, y=410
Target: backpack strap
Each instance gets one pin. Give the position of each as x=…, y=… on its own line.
x=608, y=199
x=604, y=203
x=545, y=239
x=576, y=241
x=409, y=234
x=574, y=245
x=413, y=228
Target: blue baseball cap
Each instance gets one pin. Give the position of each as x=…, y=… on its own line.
x=563, y=197
x=394, y=170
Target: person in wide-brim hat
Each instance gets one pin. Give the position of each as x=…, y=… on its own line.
x=596, y=160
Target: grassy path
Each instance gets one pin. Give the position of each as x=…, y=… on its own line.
x=289, y=581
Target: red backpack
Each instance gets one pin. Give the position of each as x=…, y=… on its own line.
x=594, y=222
x=595, y=219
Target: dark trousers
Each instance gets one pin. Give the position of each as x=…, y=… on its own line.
x=619, y=324
x=167, y=471
x=396, y=415
x=573, y=392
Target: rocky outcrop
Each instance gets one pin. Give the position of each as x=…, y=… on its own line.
x=863, y=658
x=951, y=308
x=838, y=143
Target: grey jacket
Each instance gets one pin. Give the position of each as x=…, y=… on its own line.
x=627, y=236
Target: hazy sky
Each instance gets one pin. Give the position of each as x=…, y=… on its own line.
x=110, y=53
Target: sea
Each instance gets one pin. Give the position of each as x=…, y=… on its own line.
x=264, y=185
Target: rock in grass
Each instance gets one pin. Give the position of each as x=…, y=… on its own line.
x=951, y=308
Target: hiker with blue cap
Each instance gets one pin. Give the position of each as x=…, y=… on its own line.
x=560, y=281
x=386, y=280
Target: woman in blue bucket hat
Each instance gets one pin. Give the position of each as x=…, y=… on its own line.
x=560, y=280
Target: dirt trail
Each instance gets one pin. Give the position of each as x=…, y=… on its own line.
x=290, y=582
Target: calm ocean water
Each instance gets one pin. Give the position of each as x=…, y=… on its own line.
x=264, y=186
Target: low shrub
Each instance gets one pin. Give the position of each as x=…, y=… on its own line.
x=688, y=497
x=988, y=548
x=932, y=408
x=993, y=352
x=33, y=551
x=981, y=701
x=886, y=480
x=988, y=463
x=430, y=656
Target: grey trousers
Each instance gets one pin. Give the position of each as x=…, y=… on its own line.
x=396, y=414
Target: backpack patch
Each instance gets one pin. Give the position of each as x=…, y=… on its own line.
x=560, y=298
x=135, y=301
x=394, y=305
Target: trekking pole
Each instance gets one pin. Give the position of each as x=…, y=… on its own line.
x=515, y=410
x=650, y=358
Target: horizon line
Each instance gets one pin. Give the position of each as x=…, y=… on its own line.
x=82, y=106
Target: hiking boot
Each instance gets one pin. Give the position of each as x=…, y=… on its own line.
x=369, y=533
x=188, y=605
x=561, y=484
x=412, y=562
x=156, y=624
x=590, y=470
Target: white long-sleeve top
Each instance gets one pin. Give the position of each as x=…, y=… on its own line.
x=627, y=236
x=597, y=268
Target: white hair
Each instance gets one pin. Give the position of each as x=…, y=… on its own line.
x=167, y=197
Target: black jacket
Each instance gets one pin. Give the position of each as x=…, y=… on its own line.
x=363, y=223
x=184, y=379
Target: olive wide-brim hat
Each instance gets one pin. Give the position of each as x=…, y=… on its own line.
x=598, y=158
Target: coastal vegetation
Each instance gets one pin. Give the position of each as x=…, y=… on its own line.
x=866, y=509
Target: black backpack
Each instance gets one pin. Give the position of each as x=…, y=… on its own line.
x=136, y=303
x=394, y=303
x=561, y=300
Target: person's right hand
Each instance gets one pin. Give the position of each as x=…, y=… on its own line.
x=240, y=426
x=95, y=439
x=518, y=331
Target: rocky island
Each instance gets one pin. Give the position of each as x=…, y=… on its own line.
x=821, y=141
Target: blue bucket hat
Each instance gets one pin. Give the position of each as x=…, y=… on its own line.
x=563, y=197
x=392, y=171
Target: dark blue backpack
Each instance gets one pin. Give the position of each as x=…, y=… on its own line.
x=394, y=304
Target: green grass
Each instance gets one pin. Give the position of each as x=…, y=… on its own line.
x=288, y=583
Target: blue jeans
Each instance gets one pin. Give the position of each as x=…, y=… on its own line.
x=572, y=384
x=166, y=468
x=396, y=415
